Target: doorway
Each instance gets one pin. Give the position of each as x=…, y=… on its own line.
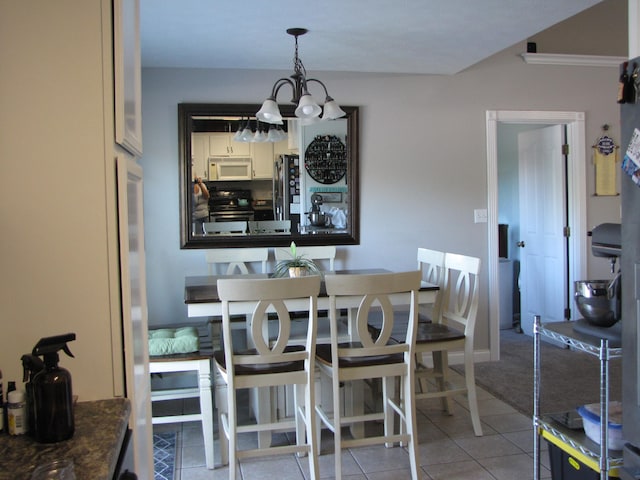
x=576, y=200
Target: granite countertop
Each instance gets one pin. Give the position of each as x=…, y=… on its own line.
x=100, y=427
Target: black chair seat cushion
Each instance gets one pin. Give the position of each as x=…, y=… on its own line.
x=437, y=332
x=400, y=324
x=323, y=354
x=262, y=368
x=427, y=330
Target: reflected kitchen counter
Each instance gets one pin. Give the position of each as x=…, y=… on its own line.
x=328, y=230
x=100, y=428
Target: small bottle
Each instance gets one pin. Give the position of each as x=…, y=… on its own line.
x=623, y=82
x=17, y=413
x=11, y=386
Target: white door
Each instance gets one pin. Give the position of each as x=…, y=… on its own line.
x=543, y=255
x=134, y=312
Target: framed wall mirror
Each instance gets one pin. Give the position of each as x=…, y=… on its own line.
x=245, y=183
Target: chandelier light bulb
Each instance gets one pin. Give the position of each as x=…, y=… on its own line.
x=332, y=110
x=307, y=107
x=260, y=136
x=270, y=112
x=247, y=134
x=238, y=134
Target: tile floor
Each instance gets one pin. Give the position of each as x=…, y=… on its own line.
x=448, y=450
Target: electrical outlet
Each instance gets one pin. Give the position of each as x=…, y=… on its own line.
x=480, y=215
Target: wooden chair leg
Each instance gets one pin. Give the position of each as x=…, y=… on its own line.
x=318, y=420
x=422, y=381
x=469, y=374
x=408, y=392
x=337, y=427
x=233, y=434
x=206, y=410
x=298, y=396
x=221, y=404
x=263, y=414
x=312, y=435
x=441, y=367
x=388, y=393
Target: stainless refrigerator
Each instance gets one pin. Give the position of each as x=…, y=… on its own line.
x=630, y=268
x=286, y=187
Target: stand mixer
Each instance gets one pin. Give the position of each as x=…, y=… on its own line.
x=599, y=300
x=317, y=217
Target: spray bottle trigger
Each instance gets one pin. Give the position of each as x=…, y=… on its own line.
x=66, y=350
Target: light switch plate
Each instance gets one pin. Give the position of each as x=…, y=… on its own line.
x=480, y=215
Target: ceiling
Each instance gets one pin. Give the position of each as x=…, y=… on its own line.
x=410, y=36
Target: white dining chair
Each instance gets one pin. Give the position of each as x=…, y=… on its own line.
x=193, y=365
x=267, y=364
x=270, y=227
x=453, y=330
x=431, y=264
x=236, y=260
x=325, y=253
x=225, y=228
x=372, y=355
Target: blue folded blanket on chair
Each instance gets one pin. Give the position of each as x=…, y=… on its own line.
x=167, y=341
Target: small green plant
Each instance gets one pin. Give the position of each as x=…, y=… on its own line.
x=296, y=261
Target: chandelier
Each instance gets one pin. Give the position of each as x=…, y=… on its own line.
x=307, y=108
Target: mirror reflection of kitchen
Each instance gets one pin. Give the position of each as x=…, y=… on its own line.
x=297, y=184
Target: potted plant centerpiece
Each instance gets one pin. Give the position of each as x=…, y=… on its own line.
x=296, y=266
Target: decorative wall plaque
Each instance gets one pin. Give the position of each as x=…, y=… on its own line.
x=325, y=159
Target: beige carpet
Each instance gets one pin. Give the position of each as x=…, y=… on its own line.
x=569, y=378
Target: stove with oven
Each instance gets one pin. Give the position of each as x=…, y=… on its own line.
x=231, y=205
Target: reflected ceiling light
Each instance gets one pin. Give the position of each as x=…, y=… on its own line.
x=247, y=134
x=260, y=135
x=306, y=106
x=238, y=134
x=275, y=134
x=268, y=133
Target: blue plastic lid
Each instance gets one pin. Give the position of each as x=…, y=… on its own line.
x=585, y=412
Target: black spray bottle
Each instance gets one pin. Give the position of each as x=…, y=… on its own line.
x=52, y=393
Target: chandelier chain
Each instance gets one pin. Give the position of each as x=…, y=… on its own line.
x=298, y=66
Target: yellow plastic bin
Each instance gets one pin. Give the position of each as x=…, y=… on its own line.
x=567, y=463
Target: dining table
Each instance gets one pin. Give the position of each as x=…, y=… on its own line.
x=201, y=294
x=201, y=298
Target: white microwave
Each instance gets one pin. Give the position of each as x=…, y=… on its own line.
x=230, y=168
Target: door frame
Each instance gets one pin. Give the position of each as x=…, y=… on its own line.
x=576, y=196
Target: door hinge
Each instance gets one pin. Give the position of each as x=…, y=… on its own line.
x=566, y=231
x=565, y=149
x=567, y=313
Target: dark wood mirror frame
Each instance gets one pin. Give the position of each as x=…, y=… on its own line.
x=186, y=113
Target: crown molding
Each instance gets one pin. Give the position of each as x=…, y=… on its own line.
x=572, y=60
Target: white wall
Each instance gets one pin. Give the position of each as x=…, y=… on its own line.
x=423, y=157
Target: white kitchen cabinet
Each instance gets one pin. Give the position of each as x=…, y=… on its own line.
x=262, y=159
x=221, y=144
x=200, y=154
x=127, y=75
x=282, y=148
